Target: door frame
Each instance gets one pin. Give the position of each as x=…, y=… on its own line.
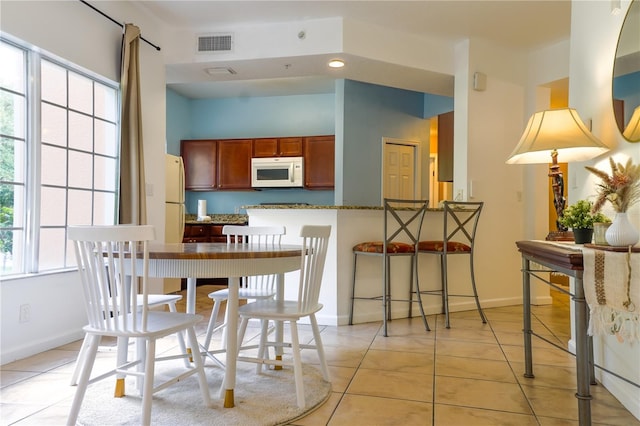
x=434, y=189
x=417, y=164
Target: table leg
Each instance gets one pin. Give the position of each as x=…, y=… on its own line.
x=526, y=316
x=279, y=324
x=191, y=305
x=191, y=296
x=229, y=382
x=582, y=355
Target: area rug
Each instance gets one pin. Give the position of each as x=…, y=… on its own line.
x=265, y=399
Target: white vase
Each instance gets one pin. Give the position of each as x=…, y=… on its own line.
x=621, y=232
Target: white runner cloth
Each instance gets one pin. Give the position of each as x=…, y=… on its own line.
x=611, y=283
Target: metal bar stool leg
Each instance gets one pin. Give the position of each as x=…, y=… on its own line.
x=424, y=317
x=445, y=291
x=475, y=292
x=386, y=308
x=353, y=288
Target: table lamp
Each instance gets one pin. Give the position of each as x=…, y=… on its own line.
x=553, y=133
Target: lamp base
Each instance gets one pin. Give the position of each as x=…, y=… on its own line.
x=560, y=236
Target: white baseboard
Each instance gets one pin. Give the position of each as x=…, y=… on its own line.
x=37, y=347
x=628, y=396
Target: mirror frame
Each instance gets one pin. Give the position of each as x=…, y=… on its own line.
x=626, y=69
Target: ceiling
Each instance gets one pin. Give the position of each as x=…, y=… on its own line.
x=518, y=24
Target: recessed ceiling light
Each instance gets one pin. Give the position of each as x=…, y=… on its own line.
x=336, y=63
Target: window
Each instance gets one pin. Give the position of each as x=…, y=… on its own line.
x=58, y=157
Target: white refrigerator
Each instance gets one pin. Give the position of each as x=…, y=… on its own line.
x=174, y=210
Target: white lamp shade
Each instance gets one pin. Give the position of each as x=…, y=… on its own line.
x=632, y=131
x=561, y=130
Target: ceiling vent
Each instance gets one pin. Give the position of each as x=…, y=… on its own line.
x=211, y=43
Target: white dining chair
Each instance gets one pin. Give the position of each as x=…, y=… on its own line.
x=253, y=287
x=154, y=301
x=124, y=250
x=314, y=246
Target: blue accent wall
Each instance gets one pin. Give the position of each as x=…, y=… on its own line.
x=435, y=105
x=627, y=88
x=178, y=122
x=233, y=118
x=371, y=113
x=359, y=114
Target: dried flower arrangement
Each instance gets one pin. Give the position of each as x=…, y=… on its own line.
x=621, y=188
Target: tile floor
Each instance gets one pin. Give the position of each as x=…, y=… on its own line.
x=471, y=374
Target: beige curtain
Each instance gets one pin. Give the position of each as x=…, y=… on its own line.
x=133, y=207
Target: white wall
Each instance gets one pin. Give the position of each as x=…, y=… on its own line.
x=74, y=32
x=594, y=37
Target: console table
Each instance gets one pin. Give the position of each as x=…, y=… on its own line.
x=566, y=260
x=570, y=259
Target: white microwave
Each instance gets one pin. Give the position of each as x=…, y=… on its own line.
x=277, y=172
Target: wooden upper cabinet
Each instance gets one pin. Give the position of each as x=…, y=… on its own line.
x=319, y=162
x=290, y=147
x=277, y=147
x=199, y=158
x=234, y=164
x=445, y=147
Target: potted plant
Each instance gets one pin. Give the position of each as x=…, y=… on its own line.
x=580, y=219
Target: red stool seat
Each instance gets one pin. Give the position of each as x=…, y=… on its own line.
x=452, y=246
x=378, y=247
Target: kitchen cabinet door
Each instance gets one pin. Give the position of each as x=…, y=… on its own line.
x=445, y=147
x=277, y=147
x=234, y=164
x=199, y=158
x=290, y=147
x=319, y=162
x=196, y=234
x=265, y=147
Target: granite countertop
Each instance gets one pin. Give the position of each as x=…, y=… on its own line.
x=218, y=219
x=310, y=207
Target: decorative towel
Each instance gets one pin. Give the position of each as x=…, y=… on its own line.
x=611, y=283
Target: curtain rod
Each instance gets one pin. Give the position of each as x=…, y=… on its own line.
x=117, y=23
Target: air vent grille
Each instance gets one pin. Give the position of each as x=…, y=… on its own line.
x=215, y=43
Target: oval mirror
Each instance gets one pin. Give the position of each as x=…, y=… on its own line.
x=626, y=76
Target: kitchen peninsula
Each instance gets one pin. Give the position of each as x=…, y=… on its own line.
x=351, y=225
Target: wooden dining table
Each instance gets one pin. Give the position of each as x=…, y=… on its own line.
x=223, y=260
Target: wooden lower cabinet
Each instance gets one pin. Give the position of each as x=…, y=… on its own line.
x=205, y=233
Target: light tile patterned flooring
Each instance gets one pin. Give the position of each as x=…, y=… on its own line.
x=470, y=374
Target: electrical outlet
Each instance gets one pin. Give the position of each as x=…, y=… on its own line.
x=25, y=313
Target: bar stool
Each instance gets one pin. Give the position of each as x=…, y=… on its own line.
x=459, y=235
x=398, y=225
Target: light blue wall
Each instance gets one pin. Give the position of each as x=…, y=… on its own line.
x=249, y=118
x=435, y=105
x=359, y=114
x=627, y=89
x=370, y=113
x=178, y=123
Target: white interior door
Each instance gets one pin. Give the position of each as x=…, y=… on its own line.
x=400, y=173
